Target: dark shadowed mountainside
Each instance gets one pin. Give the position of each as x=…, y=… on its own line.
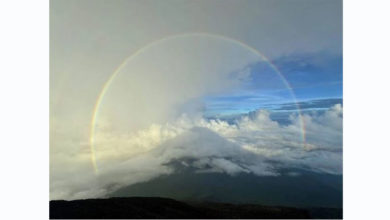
x=293, y=188
x=150, y=208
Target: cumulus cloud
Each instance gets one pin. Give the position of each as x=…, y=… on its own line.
x=252, y=144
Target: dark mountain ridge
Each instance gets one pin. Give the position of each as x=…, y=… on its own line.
x=150, y=208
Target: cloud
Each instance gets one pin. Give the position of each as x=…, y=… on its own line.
x=253, y=144
x=311, y=104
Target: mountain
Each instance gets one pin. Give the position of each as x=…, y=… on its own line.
x=150, y=208
x=293, y=188
x=193, y=193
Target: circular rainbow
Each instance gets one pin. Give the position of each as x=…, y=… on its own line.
x=141, y=50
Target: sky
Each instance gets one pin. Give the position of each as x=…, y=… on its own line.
x=132, y=82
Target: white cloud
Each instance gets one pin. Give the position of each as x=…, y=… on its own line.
x=254, y=144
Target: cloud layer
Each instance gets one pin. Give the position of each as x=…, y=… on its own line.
x=253, y=144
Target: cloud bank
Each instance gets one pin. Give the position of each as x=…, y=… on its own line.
x=252, y=144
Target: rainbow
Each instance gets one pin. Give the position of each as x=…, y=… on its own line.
x=107, y=84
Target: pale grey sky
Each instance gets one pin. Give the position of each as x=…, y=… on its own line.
x=90, y=38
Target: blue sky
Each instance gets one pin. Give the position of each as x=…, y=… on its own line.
x=315, y=78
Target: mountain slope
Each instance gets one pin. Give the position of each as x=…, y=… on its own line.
x=304, y=190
